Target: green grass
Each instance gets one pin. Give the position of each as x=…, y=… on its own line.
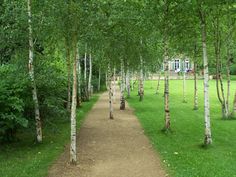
x=27, y=159
x=181, y=151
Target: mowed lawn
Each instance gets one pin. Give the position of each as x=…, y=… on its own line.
x=181, y=151
x=27, y=159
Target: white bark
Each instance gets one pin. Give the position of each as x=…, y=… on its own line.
x=79, y=78
x=166, y=65
x=128, y=83
x=166, y=88
x=85, y=74
x=90, y=76
x=110, y=93
x=73, y=157
x=31, y=74
x=208, y=138
x=184, y=84
x=114, y=84
x=85, y=64
x=122, y=84
x=141, y=86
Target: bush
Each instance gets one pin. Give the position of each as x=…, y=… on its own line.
x=233, y=69
x=11, y=102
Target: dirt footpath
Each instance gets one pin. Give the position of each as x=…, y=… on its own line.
x=110, y=148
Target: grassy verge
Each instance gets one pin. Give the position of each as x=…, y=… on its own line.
x=181, y=150
x=26, y=159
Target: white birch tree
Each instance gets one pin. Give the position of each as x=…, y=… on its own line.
x=38, y=124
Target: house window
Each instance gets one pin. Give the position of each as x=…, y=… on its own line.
x=177, y=64
x=187, y=66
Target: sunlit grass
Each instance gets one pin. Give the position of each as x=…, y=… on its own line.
x=181, y=150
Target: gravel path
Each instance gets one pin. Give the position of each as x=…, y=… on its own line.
x=110, y=148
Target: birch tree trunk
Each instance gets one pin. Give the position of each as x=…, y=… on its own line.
x=79, y=80
x=228, y=81
x=166, y=65
x=85, y=74
x=184, y=83
x=208, y=138
x=195, y=87
x=141, y=89
x=122, y=90
x=158, y=83
x=219, y=81
x=114, y=84
x=110, y=93
x=128, y=83
x=73, y=157
x=38, y=124
x=166, y=89
x=90, y=76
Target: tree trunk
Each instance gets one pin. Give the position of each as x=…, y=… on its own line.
x=90, y=77
x=114, y=84
x=110, y=93
x=184, y=84
x=73, y=158
x=158, y=83
x=128, y=83
x=79, y=80
x=195, y=86
x=99, y=79
x=166, y=89
x=166, y=65
x=219, y=81
x=122, y=97
x=85, y=74
x=228, y=81
x=141, y=89
x=38, y=124
x=208, y=138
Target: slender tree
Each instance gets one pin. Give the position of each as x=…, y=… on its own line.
x=31, y=74
x=166, y=66
x=114, y=84
x=90, y=76
x=202, y=16
x=141, y=86
x=79, y=80
x=122, y=85
x=184, y=82
x=73, y=157
x=110, y=92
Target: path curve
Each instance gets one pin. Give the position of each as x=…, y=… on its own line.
x=110, y=148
